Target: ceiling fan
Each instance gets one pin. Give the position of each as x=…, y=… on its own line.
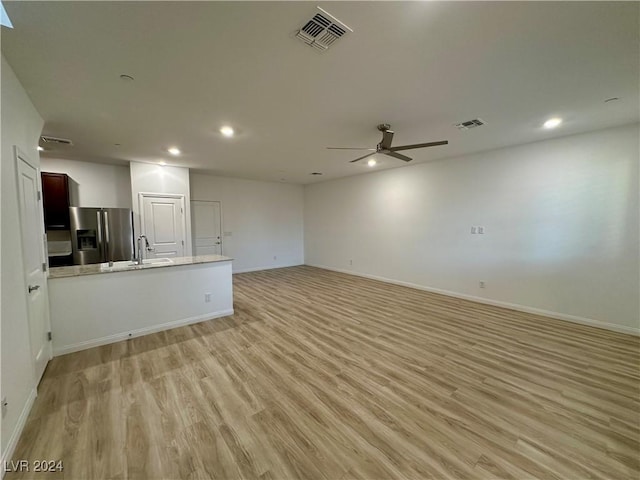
x=385, y=147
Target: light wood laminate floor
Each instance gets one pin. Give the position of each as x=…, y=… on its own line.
x=330, y=376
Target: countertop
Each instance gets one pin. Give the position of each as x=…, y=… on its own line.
x=98, y=268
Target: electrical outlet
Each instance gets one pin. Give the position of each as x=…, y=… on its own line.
x=5, y=406
x=275, y=257
x=482, y=285
x=207, y=297
x=473, y=230
x=350, y=262
x=481, y=230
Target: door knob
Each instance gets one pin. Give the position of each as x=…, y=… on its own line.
x=33, y=287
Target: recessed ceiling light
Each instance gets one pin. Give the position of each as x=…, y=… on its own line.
x=174, y=150
x=372, y=162
x=315, y=173
x=227, y=131
x=40, y=149
x=126, y=78
x=552, y=122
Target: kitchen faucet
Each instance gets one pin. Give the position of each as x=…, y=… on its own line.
x=140, y=259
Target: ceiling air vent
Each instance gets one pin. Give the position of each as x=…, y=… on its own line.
x=55, y=141
x=476, y=122
x=322, y=30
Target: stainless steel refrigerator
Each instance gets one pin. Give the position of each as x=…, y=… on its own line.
x=101, y=234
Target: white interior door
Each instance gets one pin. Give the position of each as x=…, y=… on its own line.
x=206, y=227
x=163, y=224
x=32, y=234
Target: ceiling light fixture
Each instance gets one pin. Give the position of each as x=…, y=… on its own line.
x=552, y=122
x=372, y=162
x=227, y=131
x=174, y=150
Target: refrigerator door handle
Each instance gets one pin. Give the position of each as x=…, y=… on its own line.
x=100, y=241
x=107, y=239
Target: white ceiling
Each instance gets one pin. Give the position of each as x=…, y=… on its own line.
x=420, y=66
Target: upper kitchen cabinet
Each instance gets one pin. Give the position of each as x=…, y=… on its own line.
x=55, y=198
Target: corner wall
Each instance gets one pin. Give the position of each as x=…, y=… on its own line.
x=93, y=184
x=561, y=220
x=150, y=178
x=260, y=220
x=21, y=126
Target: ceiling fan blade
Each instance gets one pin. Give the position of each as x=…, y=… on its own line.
x=362, y=158
x=418, y=145
x=397, y=155
x=387, y=138
x=350, y=148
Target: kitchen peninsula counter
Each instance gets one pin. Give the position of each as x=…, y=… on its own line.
x=89, y=309
x=98, y=268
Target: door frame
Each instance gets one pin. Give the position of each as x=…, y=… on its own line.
x=18, y=156
x=181, y=197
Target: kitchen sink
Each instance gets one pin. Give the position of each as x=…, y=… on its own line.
x=128, y=264
x=155, y=261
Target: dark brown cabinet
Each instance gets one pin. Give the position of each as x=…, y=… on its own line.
x=55, y=199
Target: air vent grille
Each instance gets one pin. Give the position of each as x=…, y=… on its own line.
x=325, y=22
x=322, y=30
x=336, y=30
x=55, y=141
x=476, y=122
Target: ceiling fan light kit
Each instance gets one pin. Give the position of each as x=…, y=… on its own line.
x=385, y=148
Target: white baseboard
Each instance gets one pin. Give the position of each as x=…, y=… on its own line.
x=271, y=267
x=496, y=303
x=17, y=431
x=76, y=347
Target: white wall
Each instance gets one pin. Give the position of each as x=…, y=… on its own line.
x=21, y=126
x=150, y=178
x=561, y=219
x=260, y=220
x=94, y=184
